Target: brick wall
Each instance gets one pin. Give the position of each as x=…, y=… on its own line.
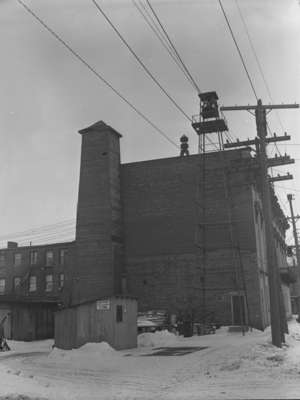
x=98, y=230
x=162, y=202
x=39, y=269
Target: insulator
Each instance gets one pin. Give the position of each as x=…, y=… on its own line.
x=184, y=146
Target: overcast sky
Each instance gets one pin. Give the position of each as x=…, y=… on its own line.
x=47, y=95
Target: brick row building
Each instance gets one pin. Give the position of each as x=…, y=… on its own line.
x=138, y=233
x=32, y=282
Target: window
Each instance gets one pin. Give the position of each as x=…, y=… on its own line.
x=49, y=283
x=2, y=260
x=62, y=256
x=33, y=257
x=32, y=284
x=119, y=314
x=2, y=286
x=61, y=280
x=49, y=258
x=17, y=259
x=17, y=283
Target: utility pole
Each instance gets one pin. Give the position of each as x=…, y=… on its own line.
x=261, y=142
x=293, y=218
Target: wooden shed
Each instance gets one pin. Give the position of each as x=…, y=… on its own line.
x=112, y=320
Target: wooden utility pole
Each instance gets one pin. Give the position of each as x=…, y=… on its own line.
x=261, y=143
x=293, y=218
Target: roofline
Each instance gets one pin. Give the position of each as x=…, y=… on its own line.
x=210, y=154
x=100, y=126
x=57, y=244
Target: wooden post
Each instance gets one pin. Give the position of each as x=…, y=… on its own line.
x=261, y=126
x=276, y=304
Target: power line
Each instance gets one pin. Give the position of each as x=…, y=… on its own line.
x=282, y=204
x=83, y=61
x=47, y=240
x=286, y=188
x=43, y=234
x=146, y=69
x=238, y=49
x=178, y=57
x=275, y=143
x=173, y=47
x=289, y=144
x=257, y=61
x=187, y=74
x=152, y=24
x=39, y=229
x=54, y=237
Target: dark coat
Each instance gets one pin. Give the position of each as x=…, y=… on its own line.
x=1, y=331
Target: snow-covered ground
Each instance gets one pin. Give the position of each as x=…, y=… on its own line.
x=225, y=365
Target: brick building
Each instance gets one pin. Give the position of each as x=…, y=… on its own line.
x=32, y=285
x=138, y=233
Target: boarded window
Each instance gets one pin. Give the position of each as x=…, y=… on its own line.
x=33, y=257
x=17, y=259
x=32, y=284
x=2, y=286
x=49, y=283
x=119, y=314
x=49, y=258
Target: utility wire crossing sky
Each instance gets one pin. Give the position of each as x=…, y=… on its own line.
x=47, y=95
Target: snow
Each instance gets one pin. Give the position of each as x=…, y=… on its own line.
x=97, y=350
x=156, y=339
x=229, y=365
x=145, y=323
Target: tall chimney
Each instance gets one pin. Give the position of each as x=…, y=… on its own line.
x=98, y=267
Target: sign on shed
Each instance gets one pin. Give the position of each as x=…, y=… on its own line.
x=103, y=305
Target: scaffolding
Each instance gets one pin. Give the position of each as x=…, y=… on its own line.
x=210, y=129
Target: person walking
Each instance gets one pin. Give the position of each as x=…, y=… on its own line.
x=3, y=344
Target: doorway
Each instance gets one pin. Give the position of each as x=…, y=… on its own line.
x=5, y=318
x=238, y=307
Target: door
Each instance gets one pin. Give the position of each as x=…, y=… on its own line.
x=238, y=310
x=7, y=321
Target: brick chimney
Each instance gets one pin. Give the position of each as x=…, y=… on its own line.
x=99, y=242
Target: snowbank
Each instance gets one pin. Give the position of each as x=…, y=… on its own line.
x=264, y=357
x=159, y=338
x=91, y=355
x=23, y=347
x=102, y=349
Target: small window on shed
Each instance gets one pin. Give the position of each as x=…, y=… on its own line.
x=119, y=315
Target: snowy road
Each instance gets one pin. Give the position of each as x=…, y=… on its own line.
x=231, y=366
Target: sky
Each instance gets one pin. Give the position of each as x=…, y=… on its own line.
x=47, y=95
